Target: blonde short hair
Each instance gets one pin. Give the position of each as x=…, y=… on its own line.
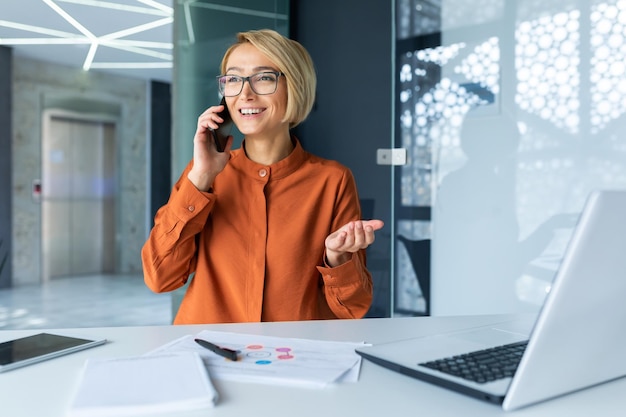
x=293, y=60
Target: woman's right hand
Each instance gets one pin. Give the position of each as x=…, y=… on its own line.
x=207, y=161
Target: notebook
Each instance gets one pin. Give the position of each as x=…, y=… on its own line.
x=147, y=385
x=576, y=341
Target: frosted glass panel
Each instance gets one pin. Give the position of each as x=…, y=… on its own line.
x=511, y=114
x=508, y=200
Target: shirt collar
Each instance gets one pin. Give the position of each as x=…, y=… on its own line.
x=277, y=170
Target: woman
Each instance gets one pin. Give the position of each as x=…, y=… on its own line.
x=270, y=231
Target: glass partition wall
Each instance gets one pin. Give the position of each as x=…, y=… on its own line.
x=203, y=30
x=511, y=113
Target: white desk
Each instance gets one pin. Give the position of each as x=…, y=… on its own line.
x=44, y=389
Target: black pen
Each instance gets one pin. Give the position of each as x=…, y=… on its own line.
x=227, y=353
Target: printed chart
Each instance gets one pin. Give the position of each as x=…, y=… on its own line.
x=274, y=360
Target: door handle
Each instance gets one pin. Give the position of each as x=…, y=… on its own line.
x=395, y=156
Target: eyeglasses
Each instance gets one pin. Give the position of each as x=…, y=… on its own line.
x=261, y=83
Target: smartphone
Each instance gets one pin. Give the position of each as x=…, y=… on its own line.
x=220, y=135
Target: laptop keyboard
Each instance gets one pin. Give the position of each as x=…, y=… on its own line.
x=483, y=365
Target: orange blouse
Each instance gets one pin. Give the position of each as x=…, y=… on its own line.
x=255, y=244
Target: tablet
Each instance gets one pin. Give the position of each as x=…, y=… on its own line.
x=39, y=347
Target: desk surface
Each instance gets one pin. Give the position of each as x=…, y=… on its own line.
x=45, y=389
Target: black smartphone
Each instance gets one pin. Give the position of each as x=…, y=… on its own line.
x=220, y=135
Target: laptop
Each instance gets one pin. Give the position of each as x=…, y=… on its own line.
x=576, y=341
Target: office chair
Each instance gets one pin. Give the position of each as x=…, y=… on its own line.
x=419, y=254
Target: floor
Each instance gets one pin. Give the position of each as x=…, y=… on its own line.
x=86, y=301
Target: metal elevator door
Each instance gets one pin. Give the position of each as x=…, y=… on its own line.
x=78, y=197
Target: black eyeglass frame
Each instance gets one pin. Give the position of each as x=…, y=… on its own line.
x=278, y=74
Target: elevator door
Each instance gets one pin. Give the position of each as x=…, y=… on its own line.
x=78, y=197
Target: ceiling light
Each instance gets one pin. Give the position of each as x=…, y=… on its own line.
x=116, y=40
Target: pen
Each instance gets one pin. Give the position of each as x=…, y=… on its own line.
x=227, y=353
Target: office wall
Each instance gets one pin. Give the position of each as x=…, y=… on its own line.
x=39, y=85
x=5, y=168
x=351, y=46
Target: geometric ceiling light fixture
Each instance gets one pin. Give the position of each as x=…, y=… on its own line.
x=92, y=34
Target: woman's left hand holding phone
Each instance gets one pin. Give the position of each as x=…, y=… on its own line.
x=207, y=161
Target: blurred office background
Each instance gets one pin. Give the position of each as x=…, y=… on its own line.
x=475, y=130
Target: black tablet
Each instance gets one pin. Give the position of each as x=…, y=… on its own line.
x=39, y=347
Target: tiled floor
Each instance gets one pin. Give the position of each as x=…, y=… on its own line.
x=89, y=301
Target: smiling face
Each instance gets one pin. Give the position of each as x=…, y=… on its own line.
x=256, y=116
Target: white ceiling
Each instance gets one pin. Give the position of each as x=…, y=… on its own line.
x=126, y=37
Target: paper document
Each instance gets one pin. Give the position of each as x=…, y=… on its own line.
x=143, y=385
x=274, y=360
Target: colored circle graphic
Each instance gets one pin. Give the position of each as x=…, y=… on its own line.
x=283, y=349
x=284, y=353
